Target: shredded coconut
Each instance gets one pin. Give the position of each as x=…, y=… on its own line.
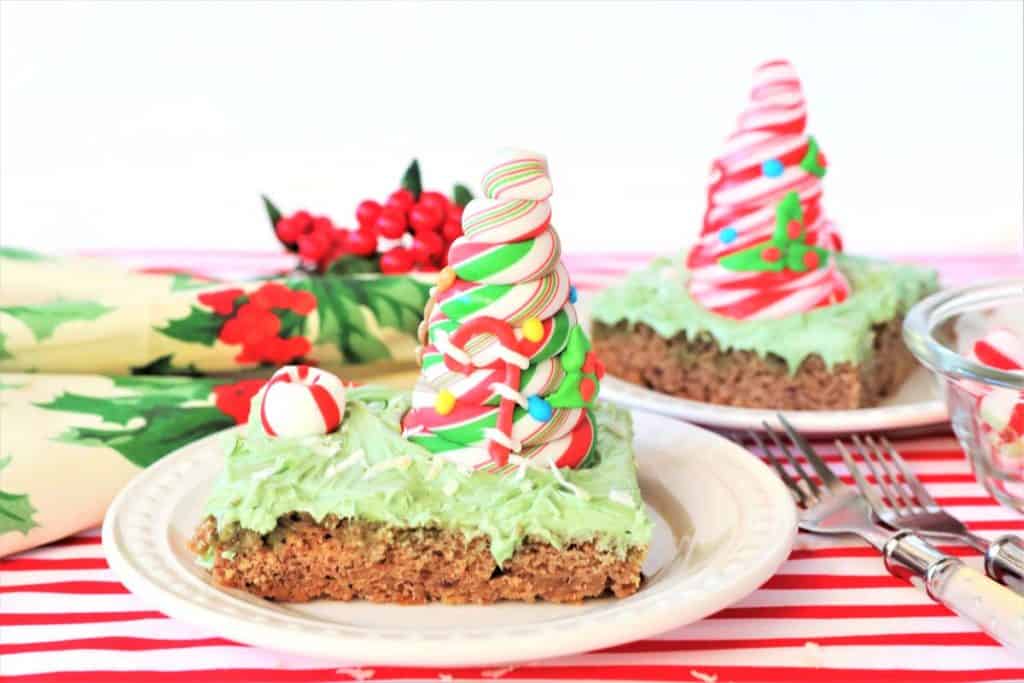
x=260, y=475
x=701, y=676
x=560, y=478
x=445, y=677
x=357, y=674
x=505, y=391
x=450, y=487
x=435, y=469
x=355, y=457
x=399, y=463
x=503, y=439
x=413, y=431
x=621, y=497
x=497, y=673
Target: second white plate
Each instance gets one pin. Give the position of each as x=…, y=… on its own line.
x=723, y=525
x=916, y=406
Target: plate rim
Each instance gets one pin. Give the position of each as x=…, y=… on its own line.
x=916, y=415
x=379, y=650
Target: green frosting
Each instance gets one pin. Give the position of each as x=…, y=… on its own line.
x=880, y=291
x=367, y=470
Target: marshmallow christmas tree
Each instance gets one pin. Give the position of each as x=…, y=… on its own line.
x=507, y=373
x=765, y=250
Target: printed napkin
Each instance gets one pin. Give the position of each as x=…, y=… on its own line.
x=103, y=371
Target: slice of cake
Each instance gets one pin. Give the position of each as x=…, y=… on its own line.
x=499, y=478
x=767, y=312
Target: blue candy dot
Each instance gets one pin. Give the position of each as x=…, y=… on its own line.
x=772, y=168
x=573, y=296
x=539, y=409
x=727, y=235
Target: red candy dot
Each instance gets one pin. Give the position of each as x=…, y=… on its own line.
x=587, y=389
x=812, y=260
x=793, y=229
x=771, y=254
x=821, y=160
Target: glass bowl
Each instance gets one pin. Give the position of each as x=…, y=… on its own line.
x=940, y=330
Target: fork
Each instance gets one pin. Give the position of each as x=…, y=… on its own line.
x=834, y=508
x=908, y=505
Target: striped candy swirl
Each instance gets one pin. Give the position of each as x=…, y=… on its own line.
x=507, y=268
x=761, y=163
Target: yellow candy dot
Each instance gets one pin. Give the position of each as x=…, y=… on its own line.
x=445, y=402
x=533, y=330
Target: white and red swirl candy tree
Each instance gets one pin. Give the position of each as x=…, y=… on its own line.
x=507, y=374
x=766, y=248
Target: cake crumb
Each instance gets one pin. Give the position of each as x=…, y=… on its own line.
x=701, y=676
x=356, y=674
x=813, y=655
x=497, y=673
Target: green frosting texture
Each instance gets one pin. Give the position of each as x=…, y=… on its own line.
x=658, y=296
x=367, y=470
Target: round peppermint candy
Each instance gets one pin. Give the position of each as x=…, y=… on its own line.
x=300, y=400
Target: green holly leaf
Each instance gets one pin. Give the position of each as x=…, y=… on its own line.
x=351, y=264
x=396, y=301
x=461, y=195
x=750, y=259
x=171, y=390
x=788, y=210
x=199, y=326
x=273, y=213
x=811, y=161
x=43, y=319
x=166, y=429
x=16, y=254
x=412, y=181
x=16, y=511
x=164, y=366
x=342, y=321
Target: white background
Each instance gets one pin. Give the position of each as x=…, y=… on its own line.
x=157, y=125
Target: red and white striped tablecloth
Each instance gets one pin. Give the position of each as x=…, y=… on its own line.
x=832, y=613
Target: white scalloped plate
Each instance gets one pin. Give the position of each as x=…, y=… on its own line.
x=724, y=524
x=917, y=406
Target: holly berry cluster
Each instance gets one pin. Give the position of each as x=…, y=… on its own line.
x=263, y=322
x=412, y=229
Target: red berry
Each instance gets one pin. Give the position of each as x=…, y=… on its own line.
x=390, y=223
x=401, y=200
x=271, y=295
x=302, y=302
x=303, y=221
x=288, y=230
x=361, y=242
x=426, y=247
x=793, y=229
x=322, y=224
x=771, y=254
x=314, y=246
x=222, y=303
x=424, y=217
x=367, y=212
x=452, y=230
x=396, y=261
x=812, y=260
x=454, y=212
x=436, y=201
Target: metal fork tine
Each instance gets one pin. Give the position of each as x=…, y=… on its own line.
x=779, y=469
x=808, y=482
x=920, y=492
x=865, y=454
x=869, y=491
x=827, y=476
x=906, y=498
